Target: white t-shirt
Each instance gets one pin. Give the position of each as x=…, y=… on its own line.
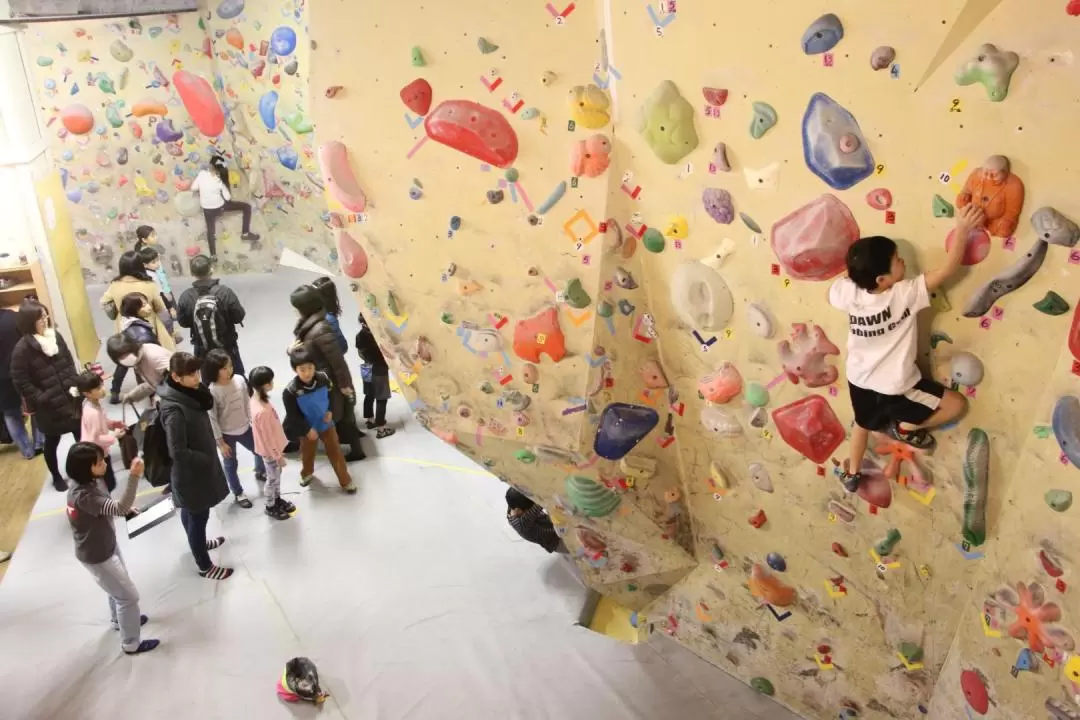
x=882, y=333
x=212, y=192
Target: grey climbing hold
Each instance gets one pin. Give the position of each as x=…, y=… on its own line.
x=292, y=67
x=764, y=119
x=511, y=175
x=455, y=223
x=759, y=418
x=529, y=113
x=760, y=477
x=122, y=156
x=486, y=46
x=120, y=51
x=547, y=78
x=626, y=307
x=418, y=57
x=776, y=561
x=1054, y=228
x=749, y=222
x=624, y=279
x=882, y=57
x=1006, y=281
x=415, y=192
x=495, y=196
x=942, y=207
x=1058, y=500
x=822, y=35
x=966, y=369
x=720, y=158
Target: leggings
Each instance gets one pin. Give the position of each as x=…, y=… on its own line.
x=195, y=526
x=375, y=408
x=211, y=216
x=52, y=443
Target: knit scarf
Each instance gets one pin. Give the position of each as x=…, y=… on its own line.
x=201, y=394
x=48, y=343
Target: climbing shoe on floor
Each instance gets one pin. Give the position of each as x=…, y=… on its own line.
x=144, y=646
x=920, y=439
x=215, y=572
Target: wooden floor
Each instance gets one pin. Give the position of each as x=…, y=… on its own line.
x=20, y=485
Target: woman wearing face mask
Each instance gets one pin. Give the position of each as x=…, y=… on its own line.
x=43, y=371
x=197, y=478
x=151, y=363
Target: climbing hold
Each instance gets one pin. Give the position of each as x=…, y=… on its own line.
x=292, y=66
x=833, y=145
x=283, y=41
x=338, y=176
x=113, y=116
x=416, y=193
x=976, y=248
x=590, y=157
x=804, y=356
x=485, y=46
x=591, y=498
x=652, y=375
x=666, y=123
x=716, y=419
x=879, y=199
x=1054, y=228
x=763, y=120
x=165, y=131
x=976, y=477
x=1066, y=424
x=653, y=240
x=229, y=9
x=973, y=686
x=417, y=96
x=392, y=303
x=911, y=652
x=760, y=320
x=1052, y=304
x=540, y=334
x=417, y=57
x=767, y=588
x=455, y=223
x=120, y=51
x=701, y=298
x=763, y=686
x=511, y=175
x=810, y=427
x=966, y=369
x=760, y=477
x=234, y=38
x=812, y=242
x=885, y=545
x=122, y=156
x=759, y=418
x=990, y=67
x=1050, y=563
x=875, y=487
x=749, y=222
x=1058, y=500
x=942, y=208
x=717, y=554
x=677, y=228
x=44, y=61
x=1006, y=281
x=576, y=295
x=475, y=130
x=839, y=549
x=555, y=196
x=268, y=109
x=495, y=196
x=530, y=374
x=604, y=309
x=756, y=395
x=149, y=107
x=822, y=35
x=201, y=102
x=525, y=456
x=621, y=428
x=299, y=123
x=721, y=385
x=776, y=561
x=589, y=106
x=77, y=119
x=624, y=279
x=547, y=78
x=333, y=90
x=882, y=57
x=1000, y=193
x=718, y=205
x=351, y=256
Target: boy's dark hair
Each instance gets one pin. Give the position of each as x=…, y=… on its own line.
x=29, y=313
x=183, y=363
x=148, y=254
x=81, y=459
x=307, y=300
x=212, y=364
x=517, y=500
x=328, y=292
x=299, y=356
x=131, y=265
x=260, y=377
x=868, y=259
x=132, y=304
x=200, y=267
x=120, y=345
x=87, y=381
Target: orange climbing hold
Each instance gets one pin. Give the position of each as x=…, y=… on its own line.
x=77, y=119
x=351, y=255
x=149, y=107
x=540, y=334
x=234, y=38
x=201, y=102
x=765, y=586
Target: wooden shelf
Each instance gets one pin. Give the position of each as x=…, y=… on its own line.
x=16, y=269
x=21, y=287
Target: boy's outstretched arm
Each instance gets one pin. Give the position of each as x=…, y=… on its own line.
x=969, y=217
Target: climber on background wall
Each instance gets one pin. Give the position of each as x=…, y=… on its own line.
x=212, y=186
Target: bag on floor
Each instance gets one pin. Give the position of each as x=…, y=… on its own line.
x=300, y=681
x=129, y=444
x=155, y=448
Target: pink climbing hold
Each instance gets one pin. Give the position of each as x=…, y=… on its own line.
x=804, y=356
x=475, y=130
x=721, y=385
x=351, y=255
x=77, y=119
x=879, y=199
x=201, y=102
x=977, y=247
x=810, y=426
x=812, y=242
x=339, y=177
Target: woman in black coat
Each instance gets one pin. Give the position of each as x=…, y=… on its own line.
x=10, y=400
x=317, y=336
x=43, y=372
x=197, y=478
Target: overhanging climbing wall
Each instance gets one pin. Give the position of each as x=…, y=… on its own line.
x=581, y=288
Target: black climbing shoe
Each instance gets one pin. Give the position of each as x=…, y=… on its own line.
x=919, y=439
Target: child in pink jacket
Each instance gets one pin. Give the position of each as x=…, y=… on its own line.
x=96, y=426
x=270, y=441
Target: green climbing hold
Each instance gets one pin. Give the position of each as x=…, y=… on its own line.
x=886, y=544
x=911, y=652
x=756, y=394
x=43, y=61
x=511, y=175
x=1052, y=304
x=653, y=240
x=576, y=295
x=764, y=119
x=763, y=686
x=591, y=498
x=105, y=84
x=299, y=124
x=525, y=456
x=447, y=318
x=113, y=116
x=391, y=303
x=605, y=309
x=976, y=478
x=666, y=123
x=1058, y=500
x=942, y=207
x=418, y=57
x=370, y=300
x=486, y=46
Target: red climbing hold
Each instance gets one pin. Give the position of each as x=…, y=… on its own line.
x=1074, y=334
x=812, y=242
x=474, y=130
x=975, y=691
x=417, y=96
x=351, y=255
x=201, y=102
x=77, y=119
x=810, y=426
x=1073, y=8
x=540, y=334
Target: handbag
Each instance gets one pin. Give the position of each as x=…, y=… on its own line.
x=129, y=445
x=367, y=372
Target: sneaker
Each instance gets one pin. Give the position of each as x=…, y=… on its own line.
x=144, y=646
x=920, y=439
x=369, y=423
x=384, y=432
x=243, y=501
x=288, y=506
x=59, y=484
x=216, y=572
x=277, y=512
x=114, y=398
x=306, y=480
x=250, y=236
x=215, y=543
x=350, y=489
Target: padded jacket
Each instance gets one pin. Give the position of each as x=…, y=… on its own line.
x=45, y=384
x=228, y=304
x=198, y=480
x=118, y=289
x=320, y=341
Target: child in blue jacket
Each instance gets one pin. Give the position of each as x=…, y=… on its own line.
x=308, y=418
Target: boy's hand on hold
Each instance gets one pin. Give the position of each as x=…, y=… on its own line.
x=226, y=451
x=970, y=217
x=136, y=469
x=312, y=435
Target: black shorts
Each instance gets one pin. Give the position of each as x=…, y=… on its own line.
x=874, y=411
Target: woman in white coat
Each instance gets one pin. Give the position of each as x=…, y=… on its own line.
x=212, y=187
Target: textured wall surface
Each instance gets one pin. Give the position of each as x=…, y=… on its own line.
x=462, y=287
x=123, y=172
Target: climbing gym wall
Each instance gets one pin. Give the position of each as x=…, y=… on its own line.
x=596, y=241
x=134, y=107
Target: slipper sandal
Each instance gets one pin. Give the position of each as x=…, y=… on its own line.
x=384, y=432
x=920, y=439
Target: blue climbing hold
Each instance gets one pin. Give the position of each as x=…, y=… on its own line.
x=1066, y=424
x=228, y=9
x=166, y=132
x=833, y=145
x=283, y=41
x=68, y=156
x=288, y=157
x=776, y=561
x=267, y=109
x=455, y=223
x=822, y=35
x=74, y=195
x=1025, y=660
x=622, y=427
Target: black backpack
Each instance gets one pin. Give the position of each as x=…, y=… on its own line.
x=210, y=322
x=155, y=448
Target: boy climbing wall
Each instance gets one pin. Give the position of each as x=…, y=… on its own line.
x=888, y=393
